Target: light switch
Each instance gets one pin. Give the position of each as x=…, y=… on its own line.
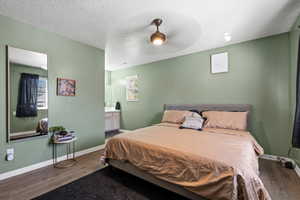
x=10, y=154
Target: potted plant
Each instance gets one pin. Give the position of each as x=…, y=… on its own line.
x=56, y=129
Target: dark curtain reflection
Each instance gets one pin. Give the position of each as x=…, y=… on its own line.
x=28, y=94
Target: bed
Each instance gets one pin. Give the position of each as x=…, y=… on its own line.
x=211, y=164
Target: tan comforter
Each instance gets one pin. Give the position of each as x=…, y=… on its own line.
x=214, y=163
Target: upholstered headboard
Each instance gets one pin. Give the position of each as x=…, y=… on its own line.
x=216, y=107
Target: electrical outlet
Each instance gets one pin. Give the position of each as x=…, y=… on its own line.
x=10, y=154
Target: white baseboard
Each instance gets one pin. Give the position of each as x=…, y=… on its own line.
x=29, y=168
x=269, y=157
x=279, y=158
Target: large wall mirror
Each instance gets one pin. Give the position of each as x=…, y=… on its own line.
x=27, y=94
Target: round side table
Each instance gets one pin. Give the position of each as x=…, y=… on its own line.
x=70, y=149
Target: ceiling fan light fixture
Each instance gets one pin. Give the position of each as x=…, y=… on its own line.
x=157, y=38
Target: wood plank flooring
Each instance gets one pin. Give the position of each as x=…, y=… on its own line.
x=282, y=184
x=37, y=182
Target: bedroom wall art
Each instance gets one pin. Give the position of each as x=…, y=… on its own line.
x=219, y=63
x=66, y=87
x=132, y=88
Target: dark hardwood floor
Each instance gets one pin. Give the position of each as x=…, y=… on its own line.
x=282, y=184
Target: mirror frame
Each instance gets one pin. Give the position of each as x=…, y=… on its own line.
x=7, y=94
x=8, y=98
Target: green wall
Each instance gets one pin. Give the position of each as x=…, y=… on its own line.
x=28, y=123
x=258, y=75
x=294, y=39
x=68, y=59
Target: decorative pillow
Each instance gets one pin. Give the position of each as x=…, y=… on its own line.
x=196, y=111
x=226, y=120
x=175, y=116
x=193, y=122
x=194, y=114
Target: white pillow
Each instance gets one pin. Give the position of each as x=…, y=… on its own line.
x=193, y=122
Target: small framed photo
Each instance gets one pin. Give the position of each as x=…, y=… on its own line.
x=219, y=63
x=66, y=87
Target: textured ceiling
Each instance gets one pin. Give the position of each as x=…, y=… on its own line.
x=121, y=27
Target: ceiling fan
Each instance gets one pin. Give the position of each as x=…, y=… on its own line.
x=172, y=33
x=157, y=38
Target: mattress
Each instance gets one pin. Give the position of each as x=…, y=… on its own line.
x=213, y=163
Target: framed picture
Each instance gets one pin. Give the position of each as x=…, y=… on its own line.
x=219, y=63
x=132, y=88
x=66, y=87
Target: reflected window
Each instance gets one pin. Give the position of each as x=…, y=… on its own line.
x=42, y=101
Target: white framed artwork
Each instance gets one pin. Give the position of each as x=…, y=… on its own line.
x=132, y=89
x=219, y=63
